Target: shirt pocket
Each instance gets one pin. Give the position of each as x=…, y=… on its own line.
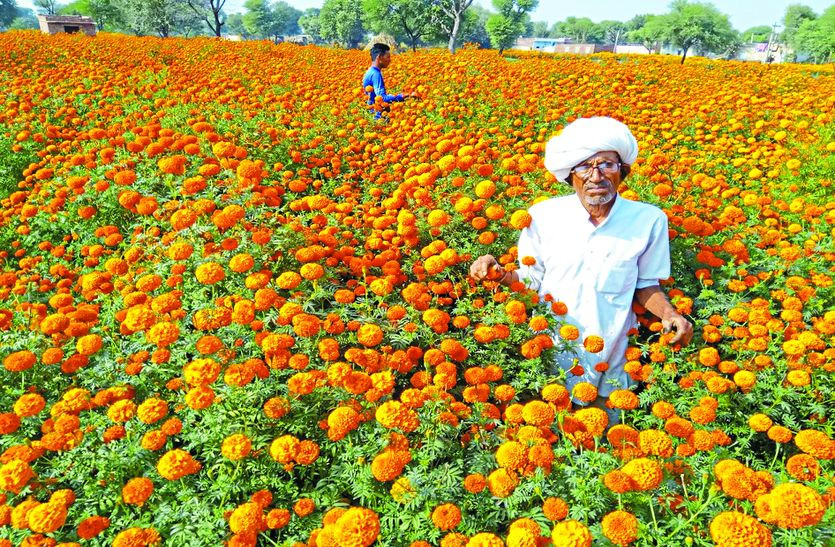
x=615, y=279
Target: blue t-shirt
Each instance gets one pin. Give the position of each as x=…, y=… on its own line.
x=374, y=77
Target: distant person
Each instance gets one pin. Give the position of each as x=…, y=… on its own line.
x=372, y=81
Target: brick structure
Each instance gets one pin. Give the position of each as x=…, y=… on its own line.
x=53, y=24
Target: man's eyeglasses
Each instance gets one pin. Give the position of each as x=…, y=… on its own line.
x=605, y=167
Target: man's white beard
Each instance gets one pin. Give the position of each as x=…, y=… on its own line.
x=600, y=200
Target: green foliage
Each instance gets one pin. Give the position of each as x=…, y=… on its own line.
x=816, y=37
x=509, y=23
x=760, y=33
x=695, y=25
x=309, y=23
x=405, y=19
x=340, y=21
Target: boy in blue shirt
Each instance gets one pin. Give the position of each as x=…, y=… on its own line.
x=373, y=78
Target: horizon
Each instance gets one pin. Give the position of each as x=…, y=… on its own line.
x=743, y=14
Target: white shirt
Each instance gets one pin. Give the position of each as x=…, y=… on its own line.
x=595, y=270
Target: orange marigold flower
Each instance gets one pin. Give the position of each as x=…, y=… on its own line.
x=538, y=413
x=502, y=482
x=791, y=505
x=646, y=473
x=19, y=361
x=394, y=414
x=512, y=455
x=358, y=526
x=369, y=335
x=283, y=449
x=277, y=518
x=760, y=422
x=817, y=443
x=620, y=527
x=584, y=392
x=475, y=483
x=779, y=434
x=803, y=467
x=555, y=509
x=623, y=399
x=656, y=443
x=734, y=529
x=209, y=273
x=137, y=491
x=137, y=537
x=247, y=517
x=29, y=404
x=446, y=516
x=571, y=533
x=92, y=526
x=176, y=464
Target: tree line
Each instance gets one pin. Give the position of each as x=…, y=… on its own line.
x=687, y=27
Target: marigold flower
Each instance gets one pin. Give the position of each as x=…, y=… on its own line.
x=620, y=527
x=137, y=491
x=623, y=399
x=816, y=443
x=14, y=475
x=733, y=529
x=357, y=526
x=791, y=505
x=236, y=447
x=19, y=361
x=645, y=473
x=446, y=516
x=92, y=526
x=176, y=464
x=137, y=537
x=584, y=392
x=475, y=483
x=569, y=332
x=502, y=482
x=247, y=517
x=538, y=413
x=555, y=509
x=571, y=533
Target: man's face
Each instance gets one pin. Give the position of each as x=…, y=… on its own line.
x=597, y=188
x=384, y=59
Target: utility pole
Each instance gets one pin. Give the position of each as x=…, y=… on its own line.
x=771, y=39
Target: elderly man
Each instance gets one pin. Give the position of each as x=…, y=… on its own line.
x=595, y=251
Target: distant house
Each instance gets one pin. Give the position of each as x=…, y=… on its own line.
x=559, y=45
x=301, y=39
x=763, y=52
x=71, y=24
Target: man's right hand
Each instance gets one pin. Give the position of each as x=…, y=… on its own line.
x=486, y=267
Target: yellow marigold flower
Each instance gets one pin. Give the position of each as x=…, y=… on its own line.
x=283, y=449
x=236, y=447
x=593, y=344
x=571, y=533
x=584, y=392
x=569, y=332
x=47, y=517
x=734, y=529
x=760, y=422
x=485, y=539
x=512, y=455
x=623, y=399
x=791, y=505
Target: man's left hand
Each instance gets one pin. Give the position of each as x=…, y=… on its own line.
x=683, y=328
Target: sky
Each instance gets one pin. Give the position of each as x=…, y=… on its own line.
x=743, y=14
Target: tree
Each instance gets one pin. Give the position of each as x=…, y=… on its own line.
x=539, y=29
x=637, y=22
x=449, y=16
x=24, y=21
x=579, y=29
x=474, y=27
x=8, y=12
x=698, y=25
x=341, y=21
x=47, y=7
x=235, y=25
x=649, y=34
x=613, y=31
x=411, y=19
x=160, y=17
x=760, y=33
x=309, y=24
x=795, y=16
x=210, y=11
x=507, y=25
x=817, y=36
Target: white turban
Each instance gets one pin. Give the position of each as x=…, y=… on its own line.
x=584, y=138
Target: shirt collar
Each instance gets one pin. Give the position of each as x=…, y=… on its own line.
x=583, y=215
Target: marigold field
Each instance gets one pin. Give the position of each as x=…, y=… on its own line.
x=235, y=309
